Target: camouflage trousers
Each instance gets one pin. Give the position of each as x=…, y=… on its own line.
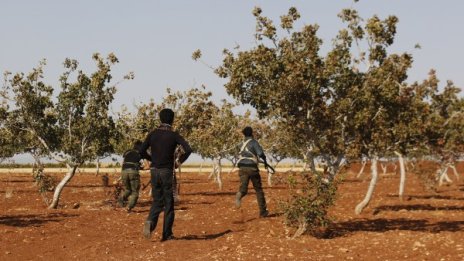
x=246, y=175
x=131, y=180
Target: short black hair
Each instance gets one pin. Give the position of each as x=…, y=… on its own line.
x=137, y=144
x=247, y=131
x=166, y=116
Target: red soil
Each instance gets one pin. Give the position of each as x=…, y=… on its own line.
x=425, y=226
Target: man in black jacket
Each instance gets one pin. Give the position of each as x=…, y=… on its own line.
x=250, y=152
x=162, y=143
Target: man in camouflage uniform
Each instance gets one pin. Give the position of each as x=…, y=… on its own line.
x=250, y=152
x=130, y=176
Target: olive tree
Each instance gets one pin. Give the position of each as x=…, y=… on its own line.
x=380, y=99
x=444, y=124
x=220, y=138
x=288, y=79
x=135, y=125
x=73, y=127
x=7, y=144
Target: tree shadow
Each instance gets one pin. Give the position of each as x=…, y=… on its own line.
x=384, y=225
x=195, y=202
x=204, y=237
x=254, y=218
x=17, y=181
x=416, y=207
x=274, y=215
x=148, y=204
x=143, y=204
x=192, y=181
x=274, y=187
x=211, y=193
x=140, y=211
x=14, y=191
x=33, y=220
x=352, y=181
x=430, y=197
x=88, y=186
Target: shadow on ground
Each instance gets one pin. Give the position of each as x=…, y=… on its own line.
x=33, y=220
x=428, y=197
x=212, y=193
x=417, y=207
x=384, y=225
x=205, y=237
x=18, y=181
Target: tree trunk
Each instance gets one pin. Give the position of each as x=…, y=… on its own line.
x=60, y=186
x=269, y=175
x=201, y=167
x=384, y=168
x=305, y=161
x=444, y=176
x=302, y=227
x=333, y=166
x=359, y=208
x=232, y=169
x=402, y=175
x=97, y=163
x=362, y=169
x=218, y=174
x=312, y=165
x=213, y=171
x=453, y=167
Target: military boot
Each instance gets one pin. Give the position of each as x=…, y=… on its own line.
x=238, y=200
x=147, y=229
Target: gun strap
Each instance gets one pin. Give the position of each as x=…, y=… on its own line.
x=244, y=148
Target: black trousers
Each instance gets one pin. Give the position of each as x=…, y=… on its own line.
x=250, y=174
x=161, y=182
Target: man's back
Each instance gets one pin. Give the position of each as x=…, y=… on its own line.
x=249, y=153
x=163, y=143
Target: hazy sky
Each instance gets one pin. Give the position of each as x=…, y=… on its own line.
x=155, y=39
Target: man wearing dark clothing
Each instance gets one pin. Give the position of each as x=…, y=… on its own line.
x=162, y=143
x=130, y=176
x=250, y=150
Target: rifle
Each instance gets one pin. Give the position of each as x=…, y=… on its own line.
x=146, y=166
x=144, y=186
x=177, y=154
x=268, y=167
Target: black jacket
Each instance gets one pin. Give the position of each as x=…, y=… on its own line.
x=132, y=159
x=162, y=143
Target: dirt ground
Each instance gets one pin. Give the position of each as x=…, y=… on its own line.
x=425, y=226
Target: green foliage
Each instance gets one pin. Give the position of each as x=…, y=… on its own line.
x=45, y=182
x=72, y=127
x=311, y=196
x=83, y=110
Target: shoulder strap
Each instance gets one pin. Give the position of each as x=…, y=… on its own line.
x=244, y=148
